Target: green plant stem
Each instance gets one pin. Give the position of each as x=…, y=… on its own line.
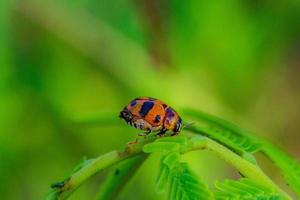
x=95, y=166
x=116, y=180
x=76, y=179
x=243, y=166
x=195, y=143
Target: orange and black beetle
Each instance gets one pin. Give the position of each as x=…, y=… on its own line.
x=151, y=114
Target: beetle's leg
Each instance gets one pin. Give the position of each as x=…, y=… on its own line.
x=175, y=133
x=161, y=133
x=145, y=133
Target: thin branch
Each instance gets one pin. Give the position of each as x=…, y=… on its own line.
x=64, y=189
x=245, y=167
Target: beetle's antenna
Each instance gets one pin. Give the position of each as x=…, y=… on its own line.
x=188, y=124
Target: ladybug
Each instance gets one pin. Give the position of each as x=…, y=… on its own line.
x=151, y=115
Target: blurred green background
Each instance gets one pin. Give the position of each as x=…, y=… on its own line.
x=63, y=60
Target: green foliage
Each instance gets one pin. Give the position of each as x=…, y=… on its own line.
x=243, y=189
x=118, y=176
x=166, y=144
x=241, y=140
x=224, y=132
x=289, y=167
x=161, y=147
x=239, y=143
x=185, y=185
x=171, y=159
x=174, y=175
x=162, y=178
x=231, y=143
x=66, y=58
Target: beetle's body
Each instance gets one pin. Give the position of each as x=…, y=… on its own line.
x=151, y=114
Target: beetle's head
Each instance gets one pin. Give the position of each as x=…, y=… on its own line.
x=126, y=115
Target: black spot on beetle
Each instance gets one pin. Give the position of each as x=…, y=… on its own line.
x=146, y=107
x=133, y=103
x=170, y=113
x=157, y=119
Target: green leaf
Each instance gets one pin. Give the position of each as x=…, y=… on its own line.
x=161, y=147
x=162, y=179
x=245, y=189
x=219, y=122
x=243, y=143
x=237, y=143
x=249, y=157
x=171, y=159
x=184, y=184
x=180, y=139
x=289, y=167
x=224, y=132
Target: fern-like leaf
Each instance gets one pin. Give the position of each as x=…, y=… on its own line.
x=241, y=140
x=224, y=132
x=185, y=185
x=238, y=143
x=244, y=189
x=290, y=167
x=181, y=182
